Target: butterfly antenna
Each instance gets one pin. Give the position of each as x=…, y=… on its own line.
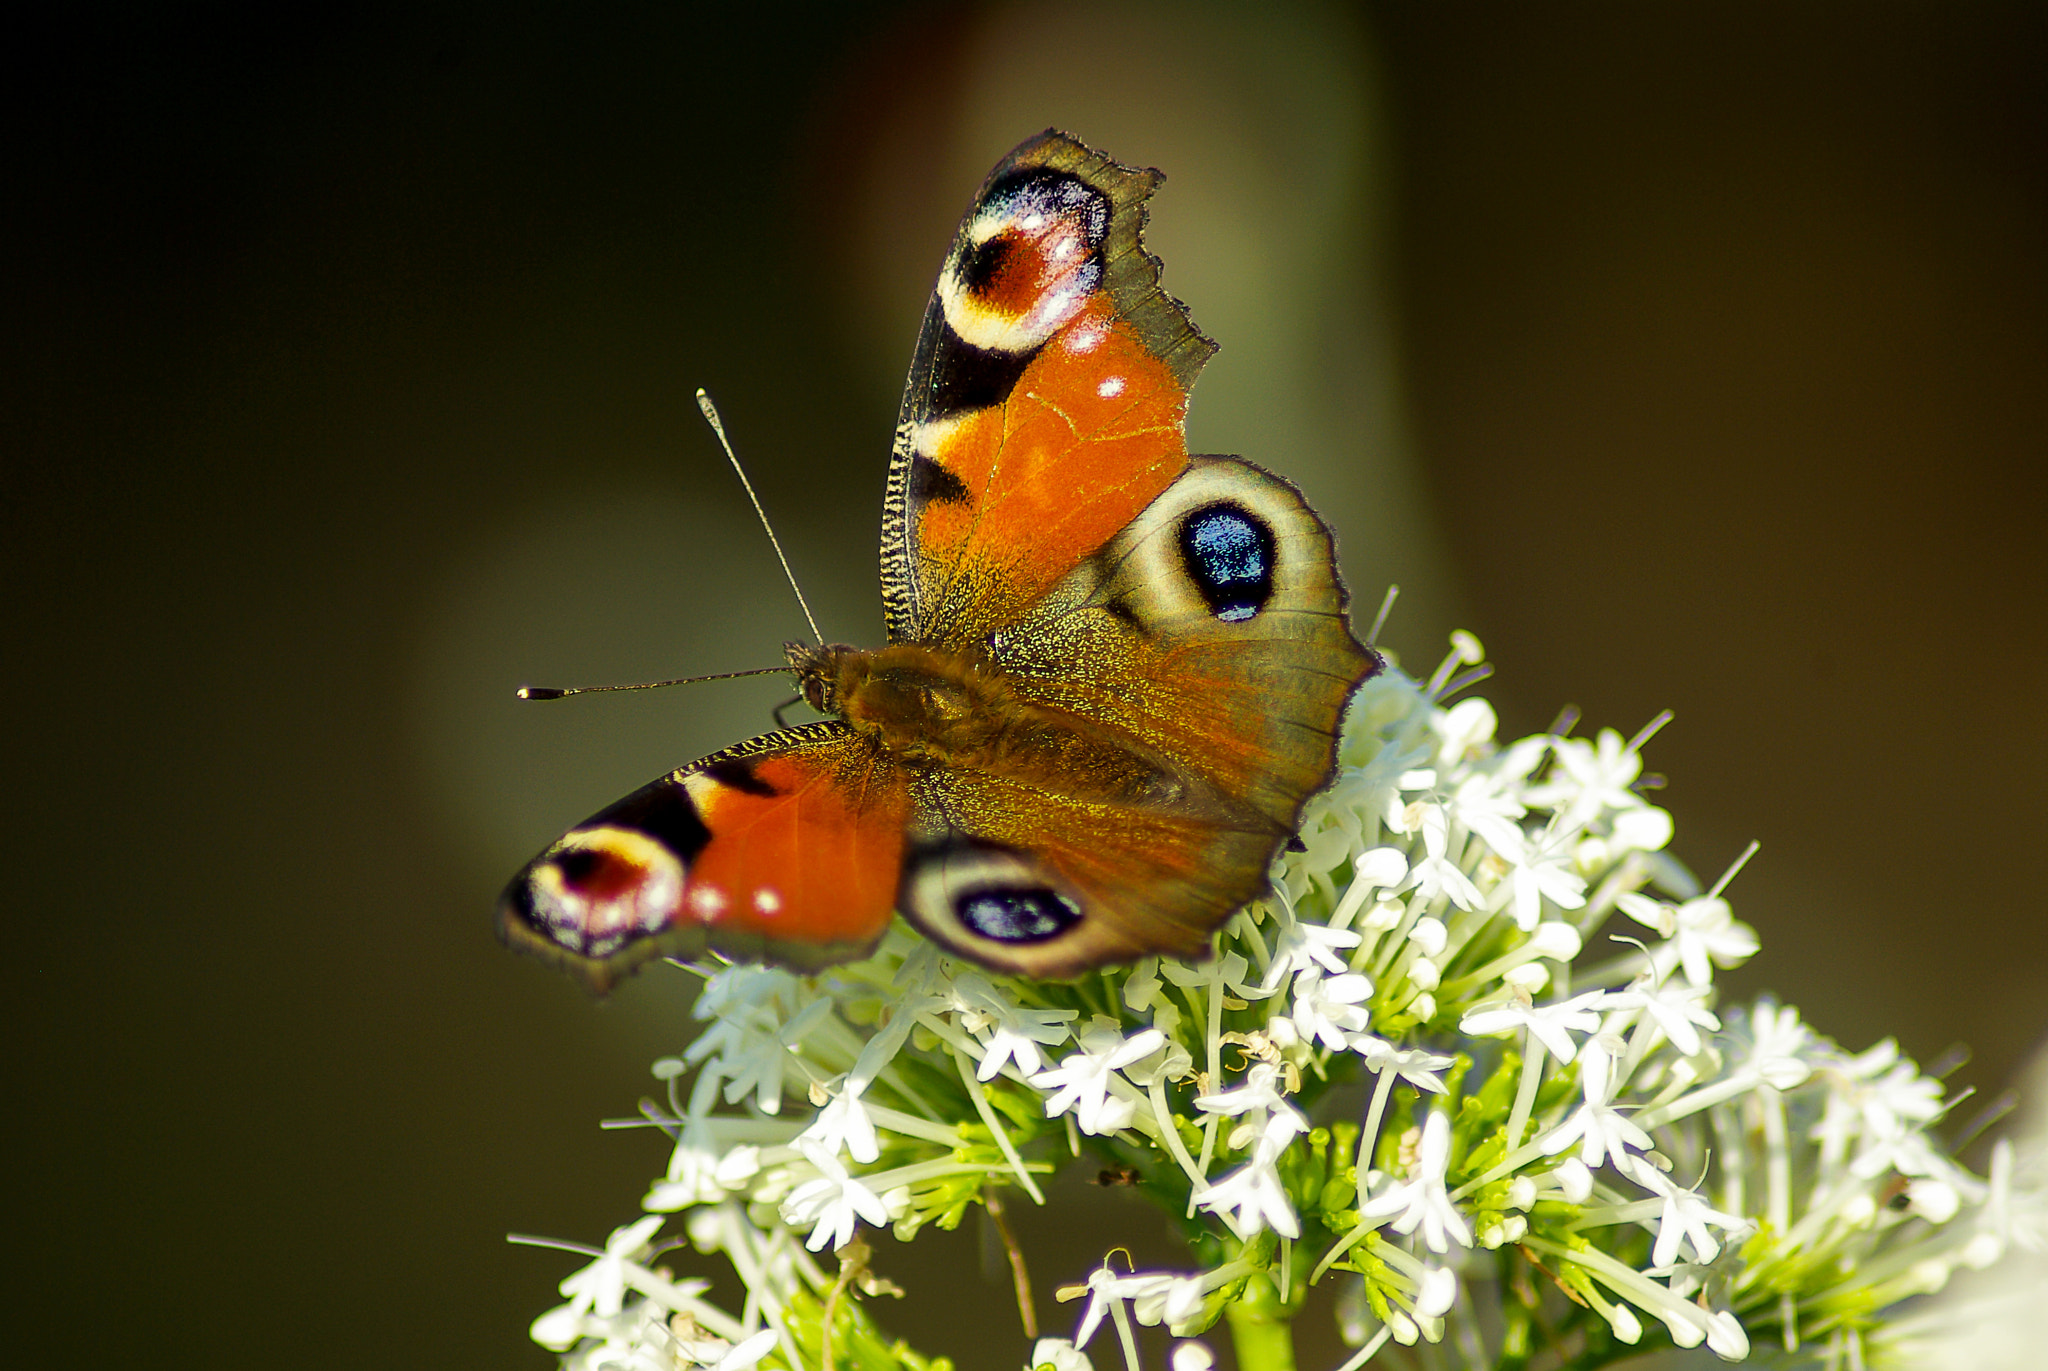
x=557, y=692
x=718, y=427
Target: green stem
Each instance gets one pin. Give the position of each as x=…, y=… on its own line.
x=1261, y=1328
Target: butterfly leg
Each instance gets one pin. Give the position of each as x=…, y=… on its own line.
x=781, y=722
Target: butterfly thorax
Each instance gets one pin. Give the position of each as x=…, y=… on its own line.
x=924, y=704
x=932, y=706
x=905, y=697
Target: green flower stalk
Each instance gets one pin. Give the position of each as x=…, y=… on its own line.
x=1466, y=1059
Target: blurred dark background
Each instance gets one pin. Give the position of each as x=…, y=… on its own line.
x=1692, y=355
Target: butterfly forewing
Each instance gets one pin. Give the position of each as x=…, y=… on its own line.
x=1045, y=399
x=787, y=847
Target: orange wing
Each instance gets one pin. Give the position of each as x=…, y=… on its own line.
x=1213, y=631
x=787, y=848
x=1205, y=645
x=1046, y=396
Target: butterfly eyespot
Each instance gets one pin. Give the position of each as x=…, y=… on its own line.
x=584, y=869
x=1010, y=915
x=1026, y=263
x=987, y=901
x=981, y=266
x=1228, y=553
x=599, y=889
x=1038, y=203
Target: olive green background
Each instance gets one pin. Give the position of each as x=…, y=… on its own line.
x=1692, y=357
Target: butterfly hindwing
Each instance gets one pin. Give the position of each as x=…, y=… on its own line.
x=1050, y=885
x=1045, y=399
x=1213, y=627
x=787, y=847
x=1208, y=640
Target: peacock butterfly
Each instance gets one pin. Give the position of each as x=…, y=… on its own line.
x=1114, y=673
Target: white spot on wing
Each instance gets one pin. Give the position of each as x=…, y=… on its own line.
x=707, y=902
x=767, y=901
x=1111, y=387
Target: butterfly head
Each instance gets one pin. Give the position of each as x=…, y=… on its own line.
x=818, y=669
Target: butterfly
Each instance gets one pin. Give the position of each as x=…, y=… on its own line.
x=1115, y=672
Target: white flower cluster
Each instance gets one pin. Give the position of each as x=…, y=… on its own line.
x=1413, y=1064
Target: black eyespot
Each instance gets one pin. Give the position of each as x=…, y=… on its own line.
x=579, y=865
x=982, y=262
x=1011, y=914
x=1228, y=552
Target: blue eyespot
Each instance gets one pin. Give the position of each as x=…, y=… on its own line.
x=1010, y=914
x=1228, y=552
x=1030, y=198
